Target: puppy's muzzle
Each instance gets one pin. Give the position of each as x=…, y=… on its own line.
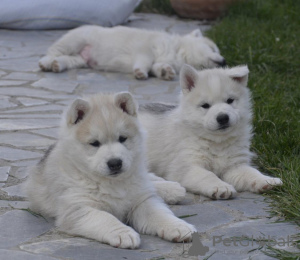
x=115, y=166
x=223, y=121
x=222, y=63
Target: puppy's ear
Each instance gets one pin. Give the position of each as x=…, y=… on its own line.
x=188, y=78
x=77, y=111
x=239, y=74
x=126, y=103
x=196, y=33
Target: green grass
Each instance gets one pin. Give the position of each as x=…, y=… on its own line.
x=265, y=34
x=281, y=254
x=155, y=6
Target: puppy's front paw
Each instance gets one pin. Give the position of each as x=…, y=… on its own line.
x=265, y=183
x=223, y=191
x=178, y=231
x=139, y=74
x=171, y=192
x=167, y=72
x=123, y=238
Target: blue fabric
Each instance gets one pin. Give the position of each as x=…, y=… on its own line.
x=63, y=14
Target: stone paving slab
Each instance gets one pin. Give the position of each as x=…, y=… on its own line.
x=4, y=173
x=15, y=190
x=16, y=254
x=18, y=226
x=31, y=103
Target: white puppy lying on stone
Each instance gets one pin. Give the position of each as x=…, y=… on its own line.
x=95, y=177
x=204, y=142
x=131, y=50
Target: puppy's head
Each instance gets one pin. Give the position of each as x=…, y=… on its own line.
x=102, y=136
x=200, y=52
x=215, y=101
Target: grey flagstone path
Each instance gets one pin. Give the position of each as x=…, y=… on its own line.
x=31, y=103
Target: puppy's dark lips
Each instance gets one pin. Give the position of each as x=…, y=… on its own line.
x=115, y=174
x=223, y=127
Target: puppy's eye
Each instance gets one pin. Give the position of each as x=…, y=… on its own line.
x=229, y=100
x=206, y=106
x=95, y=143
x=122, y=139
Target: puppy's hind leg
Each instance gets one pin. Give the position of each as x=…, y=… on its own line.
x=153, y=177
x=201, y=181
x=141, y=67
x=153, y=217
x=69, y=44
x=58, y=49
x=65, y=62
x=170, y=191
x=163, y=71
x=45, y=63
x=247, y=178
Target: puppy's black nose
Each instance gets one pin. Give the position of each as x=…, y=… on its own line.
x=222, y=63
x=114, y=165
x=223, y=119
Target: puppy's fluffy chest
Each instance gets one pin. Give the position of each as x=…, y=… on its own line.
x=110, y=197
x=217, y=157
x=113, y=196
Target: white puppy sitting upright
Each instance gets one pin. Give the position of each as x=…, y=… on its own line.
x=131, y=50
x=203, y=143
x=95, y=178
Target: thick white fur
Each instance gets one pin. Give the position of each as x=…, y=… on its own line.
x=74, y=184
x=186, y=144
x=130, y=50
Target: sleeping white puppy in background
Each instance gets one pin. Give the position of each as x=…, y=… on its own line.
x=130, y=50
x=204, y=142
x=94, y=179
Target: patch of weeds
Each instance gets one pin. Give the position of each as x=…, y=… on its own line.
x=281, y=253
x=268, y=246
x=155, y=6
